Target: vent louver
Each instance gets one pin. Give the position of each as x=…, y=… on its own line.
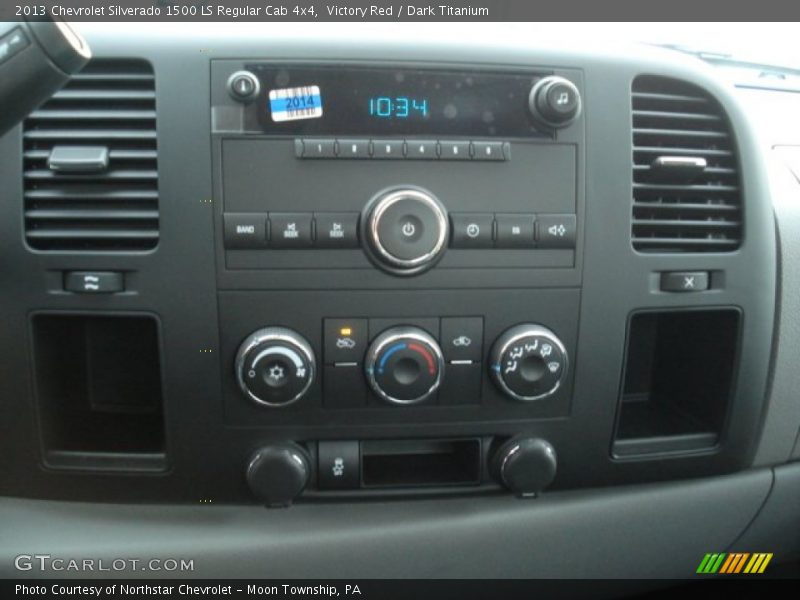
x=686, y=192
x=107, y=110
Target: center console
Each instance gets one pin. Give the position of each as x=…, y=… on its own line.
x=361, y=286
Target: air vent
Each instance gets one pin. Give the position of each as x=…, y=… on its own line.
x=686, y=193
x=91, y=163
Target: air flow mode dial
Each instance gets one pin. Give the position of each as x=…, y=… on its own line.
x=528, y=362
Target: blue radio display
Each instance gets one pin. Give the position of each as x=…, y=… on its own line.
x=368, y=101
x=398, y=107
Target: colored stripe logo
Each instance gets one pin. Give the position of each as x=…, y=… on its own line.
x=732, y=563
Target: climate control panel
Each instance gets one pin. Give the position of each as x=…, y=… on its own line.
x=403, y=365
x=366, y=358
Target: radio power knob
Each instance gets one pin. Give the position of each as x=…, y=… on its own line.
x=528, y=362
x=554, y=101
x=275, y=366
x=406, y=230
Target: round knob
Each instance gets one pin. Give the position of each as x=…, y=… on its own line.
x=555, y=101
x=243, y=86
x=528, y=362
x=404, y=365
x=278, y=474
x=406, y=230
x=525, y=465
x=275, y=366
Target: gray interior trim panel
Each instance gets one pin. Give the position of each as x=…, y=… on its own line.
x=609, y=533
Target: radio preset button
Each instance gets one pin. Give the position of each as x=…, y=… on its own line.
x=290, y=230
x=556, y=231
x=318, y=148
x=515, y=231
x=488, y=151
x=387, y=149
x=245, y=230
x=348, y=148
x=472, y=230
x=336, y=230
x=421, y=149
x=449, y=150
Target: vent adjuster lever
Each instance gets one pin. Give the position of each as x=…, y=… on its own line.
x=78, y=159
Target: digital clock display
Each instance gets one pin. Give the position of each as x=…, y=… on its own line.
x=389, y=101
x=398, y=107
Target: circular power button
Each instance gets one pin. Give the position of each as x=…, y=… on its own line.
x=243, y=86
x=407, y=230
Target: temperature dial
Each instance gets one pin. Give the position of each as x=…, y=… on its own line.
x=528, y=362
x=275, y=366
x=404, y=365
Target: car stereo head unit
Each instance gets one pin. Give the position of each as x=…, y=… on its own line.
x=391, y=170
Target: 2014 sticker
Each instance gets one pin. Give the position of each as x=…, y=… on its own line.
x=293, y=104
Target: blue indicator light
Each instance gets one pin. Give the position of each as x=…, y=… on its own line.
x=496, y=367
x=392, y=349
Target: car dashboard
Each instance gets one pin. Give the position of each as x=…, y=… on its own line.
x=450, y=308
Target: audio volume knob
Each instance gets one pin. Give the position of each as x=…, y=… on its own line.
x=406, y=230
x=278, y=474
x=275, y=366
x=555, y=101
x=404, y=365
x=525, y=465
x=528, y=362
